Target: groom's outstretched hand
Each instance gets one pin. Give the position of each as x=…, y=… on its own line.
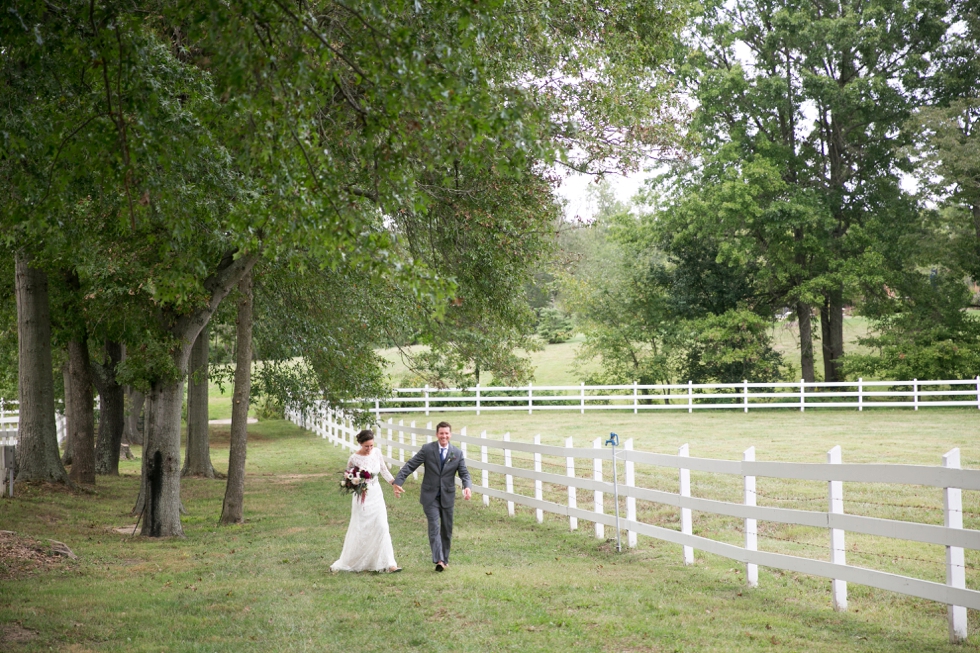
x=398, y=490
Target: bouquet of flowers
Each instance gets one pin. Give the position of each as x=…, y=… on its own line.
x=355, y=481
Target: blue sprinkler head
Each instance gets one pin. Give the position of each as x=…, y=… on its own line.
x=613, y=439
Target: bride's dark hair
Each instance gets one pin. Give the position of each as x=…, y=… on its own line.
x=364, y=436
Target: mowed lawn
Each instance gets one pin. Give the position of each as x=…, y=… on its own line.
x=514, y=585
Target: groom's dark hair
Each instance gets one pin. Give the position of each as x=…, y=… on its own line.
x=443, y=425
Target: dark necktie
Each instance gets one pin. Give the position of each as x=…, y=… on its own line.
x=442, y=457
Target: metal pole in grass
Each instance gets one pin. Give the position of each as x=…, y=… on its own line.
x=614, y=441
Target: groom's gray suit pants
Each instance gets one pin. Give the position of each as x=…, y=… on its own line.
x=440, y=520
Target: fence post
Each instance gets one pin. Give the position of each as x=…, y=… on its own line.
x=485, y=475
x=508, y=478
x=572, y=497
x=955, y=561
x=837, y=554
x=478, y=400
x=630, y=500
x=745, y=394
x=462, y=445
x=635, y=401
x=686, y=524
x=530, y=398
x=390, y=421
x=751, y=533
x=978, y=392
x=860, y=394
x=802, y=394
x=428, y=437
x=401, y=441
x=600, y=531
x=915, y=393
x=377, y=411
x=538, y=486
x=690, y=397
x=583, y=395
x=415, y=474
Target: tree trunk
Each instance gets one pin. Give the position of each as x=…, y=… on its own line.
x=805, y=321
x=973, y=265
x=159, y=506
x=828, y=367
x=197, y=458
x=232, y=508
x=37, y=447
x=112, y=400
x=82, y=423
x=132, y=433
x=832, y=330
x=141, y=498
x=69, y=417
x=837, y=332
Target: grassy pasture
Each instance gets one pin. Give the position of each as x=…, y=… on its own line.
x=556, y=364
x=514, y=584
x=553, y=365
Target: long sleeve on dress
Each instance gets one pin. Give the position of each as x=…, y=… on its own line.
x=385, y=474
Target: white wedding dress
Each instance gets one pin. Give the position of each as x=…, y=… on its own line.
x=367, y=546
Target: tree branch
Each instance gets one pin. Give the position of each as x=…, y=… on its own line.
x=369, y=194
x=320, y=37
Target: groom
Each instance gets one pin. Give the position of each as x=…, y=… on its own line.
x=442, y=462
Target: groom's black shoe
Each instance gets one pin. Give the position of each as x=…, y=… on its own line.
x=440, y=566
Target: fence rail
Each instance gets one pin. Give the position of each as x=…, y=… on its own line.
x=496, y=480
x=690, y=396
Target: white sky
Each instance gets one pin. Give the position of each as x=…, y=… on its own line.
x=574, y=189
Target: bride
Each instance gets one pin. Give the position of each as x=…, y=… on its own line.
x=367, y=546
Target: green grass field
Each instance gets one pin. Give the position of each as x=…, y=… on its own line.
x=515, y=585
x=553, y=365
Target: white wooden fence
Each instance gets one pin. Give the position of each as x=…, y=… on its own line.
x=9, y=417
x=398, y=442
x=690, y=396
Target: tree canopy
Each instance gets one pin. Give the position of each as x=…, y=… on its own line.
x=158, y=152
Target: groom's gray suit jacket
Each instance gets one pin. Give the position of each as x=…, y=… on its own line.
x=438, y=479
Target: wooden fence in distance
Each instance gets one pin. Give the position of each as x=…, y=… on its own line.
x=9, y=418
x=690, y=396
